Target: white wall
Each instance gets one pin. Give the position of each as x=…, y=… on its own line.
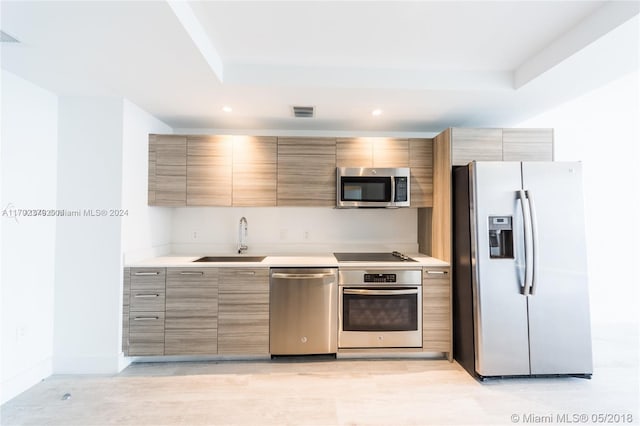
x=146, y=231
x=102, y=165
x=29, y=150
x=601, y=129
x=88, y=249
x=291, y=230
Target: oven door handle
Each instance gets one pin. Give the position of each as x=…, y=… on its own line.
x=367, y=292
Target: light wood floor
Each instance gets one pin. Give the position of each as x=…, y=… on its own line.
x=339, y=392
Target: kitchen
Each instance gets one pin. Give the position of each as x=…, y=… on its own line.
x=85, y=337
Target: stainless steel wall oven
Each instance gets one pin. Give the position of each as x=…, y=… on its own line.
x=380, y=308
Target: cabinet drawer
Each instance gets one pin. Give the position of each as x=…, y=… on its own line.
x=146, y=300
x=146, y=322
x=151, y=279
x=429, y=274
x=244, y=280
x=146, y=333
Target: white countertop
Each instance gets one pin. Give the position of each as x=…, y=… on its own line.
x=319, y=260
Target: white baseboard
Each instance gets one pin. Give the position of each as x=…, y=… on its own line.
x=87, y=365
x=10, y=387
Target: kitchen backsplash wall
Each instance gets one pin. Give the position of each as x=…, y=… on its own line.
x=293, y=230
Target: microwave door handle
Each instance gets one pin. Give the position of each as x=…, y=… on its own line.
x=393, y=189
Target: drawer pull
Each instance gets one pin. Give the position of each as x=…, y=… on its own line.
x=147, y=295
x=146, y=318
x=192, y=273
x=436, y=272
x=246, y=273
x=146, y=274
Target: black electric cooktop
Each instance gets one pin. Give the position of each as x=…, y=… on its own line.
x=373, y=257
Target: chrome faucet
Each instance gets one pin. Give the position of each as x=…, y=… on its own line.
x=242, y=235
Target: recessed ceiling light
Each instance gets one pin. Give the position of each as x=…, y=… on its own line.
x=376, y=112
x=227, y=108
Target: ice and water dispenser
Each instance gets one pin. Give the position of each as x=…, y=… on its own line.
x=500, y=237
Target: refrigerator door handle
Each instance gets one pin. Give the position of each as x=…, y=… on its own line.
x=528, y=255
x=534, y=240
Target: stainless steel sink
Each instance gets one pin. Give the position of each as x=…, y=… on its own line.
x=230, y=259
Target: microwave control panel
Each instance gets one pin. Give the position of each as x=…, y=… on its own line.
x=401, y=189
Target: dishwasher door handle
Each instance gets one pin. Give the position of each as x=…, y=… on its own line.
x=300, y=276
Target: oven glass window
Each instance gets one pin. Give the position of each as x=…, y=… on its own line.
x=366, y=189
x=380, y=313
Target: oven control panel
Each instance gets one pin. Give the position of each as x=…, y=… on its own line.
x=379, y=278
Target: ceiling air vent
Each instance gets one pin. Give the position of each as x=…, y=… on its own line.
x=303, y=111
x=6, y=38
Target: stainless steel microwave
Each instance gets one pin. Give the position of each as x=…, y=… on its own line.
x=372, y=187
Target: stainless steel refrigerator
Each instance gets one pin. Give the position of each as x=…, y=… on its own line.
x=520, y=296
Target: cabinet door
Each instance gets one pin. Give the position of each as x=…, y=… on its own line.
x=475, y=144
x=191, y=321
x=146, y=312
x=254, y=171
x=354, y=152
x=527, y=144
x=167, y=170
x=243, y=306
x=209, y=170
x=436, y=311
x=126, y=291
x=421, y=163
x=306, y=172
x=439, y=228
x=389, y=152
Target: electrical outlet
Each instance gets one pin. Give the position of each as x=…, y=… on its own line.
x=194, y=235
x=306, y=235
x=21, y=332
x=283, y=234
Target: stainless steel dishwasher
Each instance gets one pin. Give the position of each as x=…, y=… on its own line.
x=303, y=311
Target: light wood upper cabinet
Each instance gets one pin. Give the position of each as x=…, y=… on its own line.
x=389, y=152
x=191, y=318
x=527, y=144
x=243, y=305
x=354, y=152
x=500, y=145
x=458, y=147
x=255, y=171
x=372, y=152
x=209, y=170
x=421, y=163
x=475, y=144
x=167, y=170
x=306, y=171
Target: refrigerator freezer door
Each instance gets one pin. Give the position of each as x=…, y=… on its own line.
x=500, y=308
x=559, y=328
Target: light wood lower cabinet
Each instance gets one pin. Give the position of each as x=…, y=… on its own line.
x=191, y=321
x=243, y=307
x=436, y=311
x=146, y=311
